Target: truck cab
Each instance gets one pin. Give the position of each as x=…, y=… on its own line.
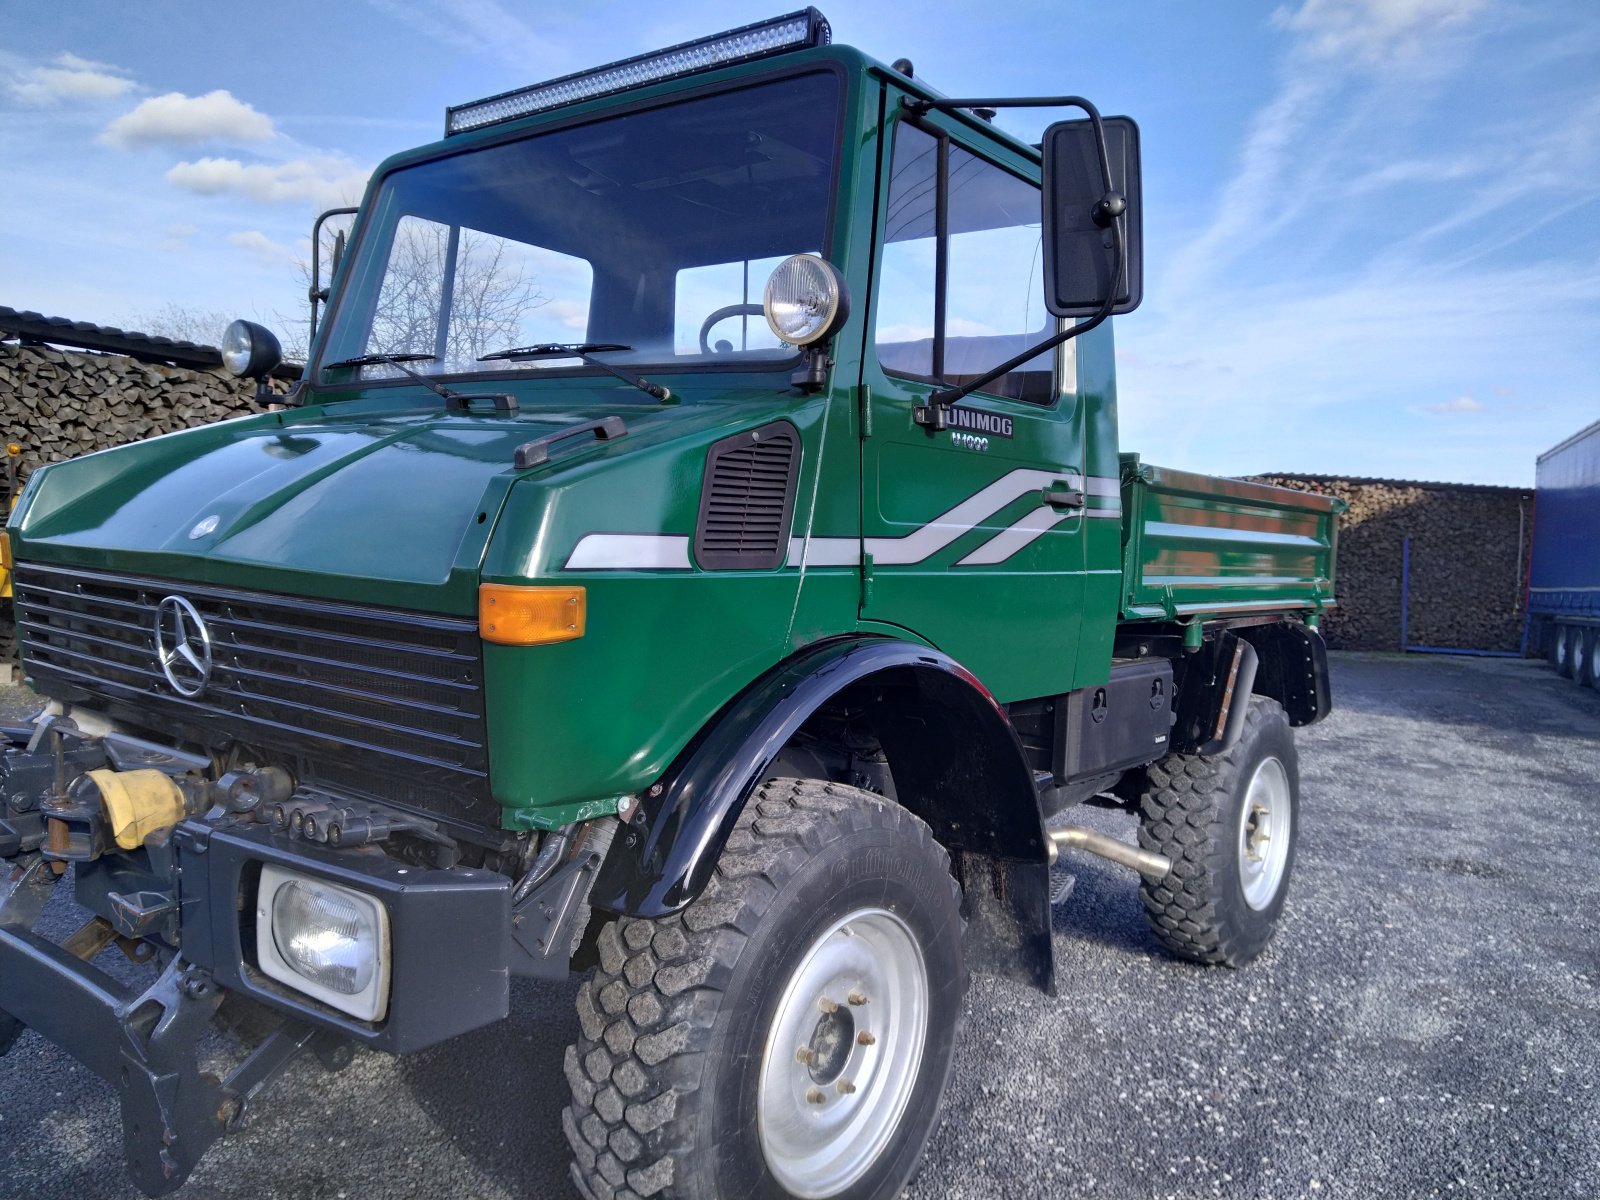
x=698, y=554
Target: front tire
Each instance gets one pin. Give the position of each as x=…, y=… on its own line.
x=791, y=1032
x=1229, y=824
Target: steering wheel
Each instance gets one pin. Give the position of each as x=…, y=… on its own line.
x=722, y=314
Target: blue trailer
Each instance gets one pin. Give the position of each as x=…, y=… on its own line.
x=1564, y=576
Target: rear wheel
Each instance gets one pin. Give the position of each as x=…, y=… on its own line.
x=1566, y=639
x=1229, y=825
x=1583, y=650
x=790, y=1033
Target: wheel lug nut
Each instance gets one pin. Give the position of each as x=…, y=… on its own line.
x=865, y=1039
x=857, y=998
x=805, y=1054
x=815, y=1095
x=827, y=1005
x=845, y=1087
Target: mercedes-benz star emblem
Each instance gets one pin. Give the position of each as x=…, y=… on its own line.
x=183, y=646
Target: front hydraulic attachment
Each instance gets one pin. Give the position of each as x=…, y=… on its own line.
x=144, y=1043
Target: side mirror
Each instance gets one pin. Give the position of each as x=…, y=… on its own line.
x=1080, y=213
x=250, y=351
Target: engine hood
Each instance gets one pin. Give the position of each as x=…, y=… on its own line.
x=358, y=502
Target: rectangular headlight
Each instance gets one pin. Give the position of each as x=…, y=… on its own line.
x=330, y=942
x=796, y=31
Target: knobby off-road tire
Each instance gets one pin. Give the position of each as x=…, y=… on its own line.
x=1229, y=825
x=719, y=1045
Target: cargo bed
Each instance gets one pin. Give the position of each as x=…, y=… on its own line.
x=1195, y=544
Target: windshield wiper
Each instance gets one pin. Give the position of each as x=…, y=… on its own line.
x=453, y=399
x=585, y=351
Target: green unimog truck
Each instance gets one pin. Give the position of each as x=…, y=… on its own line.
x=698, y=555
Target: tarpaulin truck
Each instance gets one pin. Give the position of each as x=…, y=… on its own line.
x=697, y=555
x=1564, y=573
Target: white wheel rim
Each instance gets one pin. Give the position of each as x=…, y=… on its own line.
x=1563, y=648
x=1265, y=828
x=841, y=1060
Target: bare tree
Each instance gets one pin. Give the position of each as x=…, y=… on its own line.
x=490, y=294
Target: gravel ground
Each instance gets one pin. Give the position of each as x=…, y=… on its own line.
x=1425, y=1024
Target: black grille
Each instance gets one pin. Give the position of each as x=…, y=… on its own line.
x=371, y=700
x=747, y=499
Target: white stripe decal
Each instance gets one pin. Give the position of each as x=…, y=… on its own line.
x=1008, y=541
x=630, y=552
x=933, y=537
x=1219, y=533
x=825, y=552
x=1099, y=485
x=670, y=552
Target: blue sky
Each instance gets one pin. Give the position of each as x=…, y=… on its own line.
x=1372, y=226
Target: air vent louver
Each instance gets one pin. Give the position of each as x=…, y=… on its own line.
x=747, y=500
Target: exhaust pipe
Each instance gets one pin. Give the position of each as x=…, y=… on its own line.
x=1153, y=867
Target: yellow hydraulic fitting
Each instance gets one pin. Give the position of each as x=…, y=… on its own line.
x=138, y=803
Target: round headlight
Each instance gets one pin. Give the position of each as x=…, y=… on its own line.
x=250, y=350
x=326, y=936
x=806, y=300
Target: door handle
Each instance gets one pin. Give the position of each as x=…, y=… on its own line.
x=1060, y=497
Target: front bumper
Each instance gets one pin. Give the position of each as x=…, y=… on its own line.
x=450, y=950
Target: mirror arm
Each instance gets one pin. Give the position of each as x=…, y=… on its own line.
x=1107, y=209
x=314, y=293
x=932, y=414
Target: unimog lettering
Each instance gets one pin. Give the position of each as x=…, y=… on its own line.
x=978, y=421
x=699, y=658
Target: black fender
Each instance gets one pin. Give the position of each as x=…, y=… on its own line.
x=956, y=762
x=1294, y=669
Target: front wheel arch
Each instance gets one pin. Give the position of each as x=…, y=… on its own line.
x=956, y=762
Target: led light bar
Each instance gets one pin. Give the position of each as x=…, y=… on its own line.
x=797, y=31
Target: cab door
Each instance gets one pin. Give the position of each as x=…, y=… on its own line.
x=972, y=535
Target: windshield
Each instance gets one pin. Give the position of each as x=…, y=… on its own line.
x=654, y=230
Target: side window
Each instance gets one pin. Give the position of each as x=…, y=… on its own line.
x=991, y=249
x=905, y=318
x=460, y=293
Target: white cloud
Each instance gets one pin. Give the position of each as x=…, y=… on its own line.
x=327, y=181
x=572, y=314
x=179, y=120
x=69, y=77
x=267, y=252
x=1373, y=31
x=1461, y=404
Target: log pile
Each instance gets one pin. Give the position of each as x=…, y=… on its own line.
x=59, y=404
x=1469, y=555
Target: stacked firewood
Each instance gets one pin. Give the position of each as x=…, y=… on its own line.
x=58, y=404
x=1469, y=557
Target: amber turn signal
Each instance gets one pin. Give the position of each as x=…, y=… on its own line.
x=511, y=615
